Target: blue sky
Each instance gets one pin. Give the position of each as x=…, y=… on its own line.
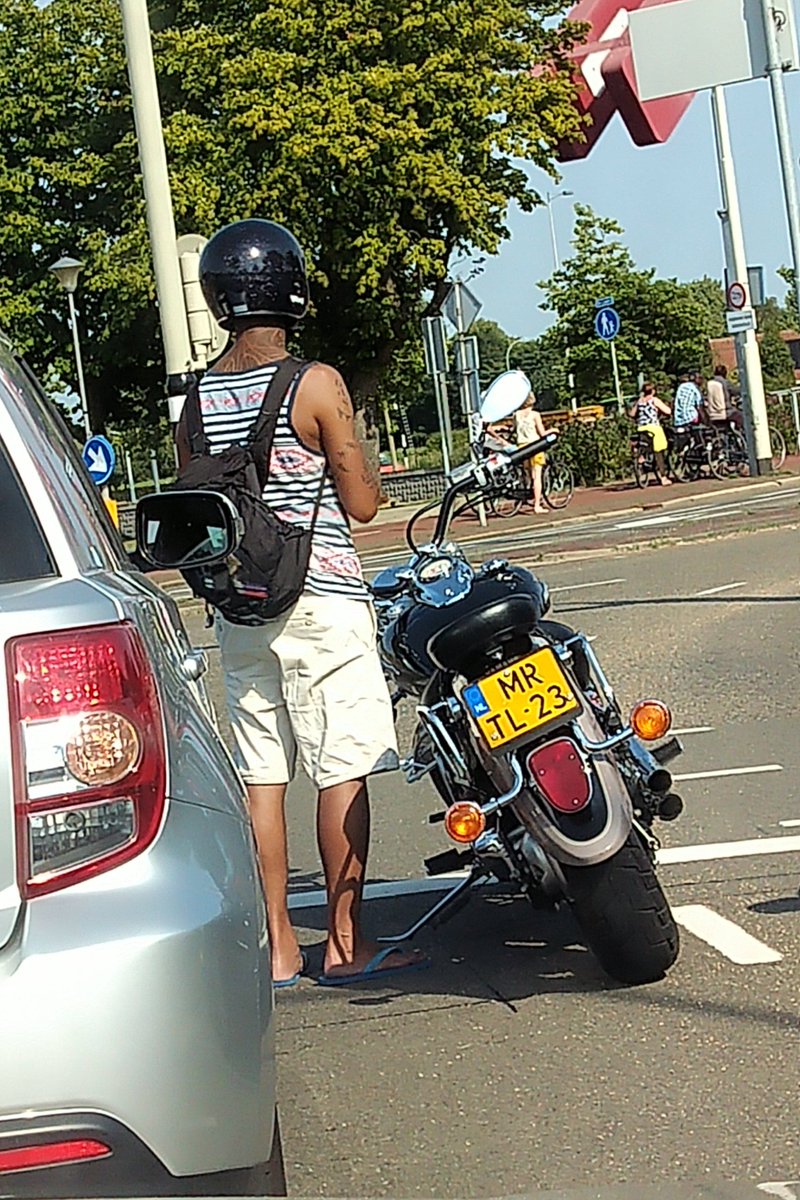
x=666, y=198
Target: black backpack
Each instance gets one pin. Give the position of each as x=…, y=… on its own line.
x=266, y=574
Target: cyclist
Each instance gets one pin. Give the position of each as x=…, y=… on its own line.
x=647, y=412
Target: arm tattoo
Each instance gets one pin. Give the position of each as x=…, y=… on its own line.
x=342, y=456
x=344, y=406
x=370, y=479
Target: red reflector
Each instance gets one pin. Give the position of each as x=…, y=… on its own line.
x=71, y=673
x=557, y=770
x=51, y=1154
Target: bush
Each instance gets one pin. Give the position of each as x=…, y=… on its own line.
x=598, y=451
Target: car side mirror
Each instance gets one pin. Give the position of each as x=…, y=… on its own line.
x=182, y=529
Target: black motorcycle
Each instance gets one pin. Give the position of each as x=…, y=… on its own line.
x=545, y=784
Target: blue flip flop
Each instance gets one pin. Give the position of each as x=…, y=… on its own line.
x=372, y=969
x=293, y=980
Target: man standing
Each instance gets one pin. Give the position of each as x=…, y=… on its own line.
x=308, y=684
x=719, y=402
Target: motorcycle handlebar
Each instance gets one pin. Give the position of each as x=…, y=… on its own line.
x=525, y=452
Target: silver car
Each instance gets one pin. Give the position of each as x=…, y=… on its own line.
x=136, y=1011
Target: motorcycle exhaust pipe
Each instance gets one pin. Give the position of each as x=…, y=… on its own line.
x=656, y=778
x=667, y=751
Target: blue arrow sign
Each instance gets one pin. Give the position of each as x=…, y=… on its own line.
x=606, y=324
x=606, y=302
x=100, y=459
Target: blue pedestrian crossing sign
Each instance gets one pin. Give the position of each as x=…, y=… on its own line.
x=606, y=324
x=100, y=459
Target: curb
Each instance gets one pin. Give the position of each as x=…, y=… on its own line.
x=621, y=512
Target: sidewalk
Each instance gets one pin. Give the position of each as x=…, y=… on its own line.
x=388, y=527
x=387, y=530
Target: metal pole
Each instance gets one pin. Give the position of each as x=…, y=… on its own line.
x=440, y=391
x=553, y=242
x=76, y=341
x=154, y=470
x=511, y=343
x=796, y=415
x=615, y=368
x=755, y=406
x=129, y=472
x=158, y=199
x=775, y=73
x=463, y=383
x=389, y=434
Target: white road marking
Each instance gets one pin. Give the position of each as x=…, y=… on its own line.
x=672, y=856
x=693, y=729
x=789, y=824
x=644, y=522
x=711, y=851
x=724, y=935
x=723, y=773
x=723, y=587
x=783, y=1191
x=574, y=587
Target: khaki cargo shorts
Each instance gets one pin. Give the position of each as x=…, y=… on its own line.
x=309, y=684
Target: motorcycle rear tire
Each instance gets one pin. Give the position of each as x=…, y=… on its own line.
x=624, y=916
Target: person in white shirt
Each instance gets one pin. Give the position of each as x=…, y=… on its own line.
x=529, y=427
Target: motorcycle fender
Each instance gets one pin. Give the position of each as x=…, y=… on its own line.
x=609, y=799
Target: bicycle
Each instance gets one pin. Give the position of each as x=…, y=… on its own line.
x=558, y=485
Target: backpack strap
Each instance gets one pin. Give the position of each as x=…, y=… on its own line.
x=262, y=432
x=195, y=433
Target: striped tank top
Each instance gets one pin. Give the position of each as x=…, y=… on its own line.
x=230, y=402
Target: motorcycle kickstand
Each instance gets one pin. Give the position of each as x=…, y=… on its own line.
x=450, y=901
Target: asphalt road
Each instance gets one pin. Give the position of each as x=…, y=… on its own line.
x=513, y=1067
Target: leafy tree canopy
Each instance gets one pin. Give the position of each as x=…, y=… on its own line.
x=387, y=135
x=665, y=325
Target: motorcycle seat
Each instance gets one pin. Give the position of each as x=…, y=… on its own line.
x=457, y=645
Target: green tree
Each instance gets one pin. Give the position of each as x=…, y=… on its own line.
x=776, y=360
x=665, y=325
x=493, y=344
x=388, y=136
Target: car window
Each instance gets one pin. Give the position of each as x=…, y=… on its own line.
x=87, y=525
x=25, y=553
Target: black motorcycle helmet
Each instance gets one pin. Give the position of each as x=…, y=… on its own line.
x=254, y=268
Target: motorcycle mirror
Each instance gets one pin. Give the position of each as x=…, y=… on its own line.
x=182, y=529
x=504, y=396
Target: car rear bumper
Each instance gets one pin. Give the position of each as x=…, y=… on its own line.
x=144, y=996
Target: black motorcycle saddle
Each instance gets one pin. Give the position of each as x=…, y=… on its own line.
x=489, y=627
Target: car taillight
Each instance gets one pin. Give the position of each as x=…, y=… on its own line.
x=88, y=749
x=559, y=773
x=51, y=1154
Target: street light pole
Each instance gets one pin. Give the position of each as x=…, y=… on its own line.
x=775, y=71
x=158, y=199
x=73, y=320
x=511, y=343
x=66, y=271
x=554, y=244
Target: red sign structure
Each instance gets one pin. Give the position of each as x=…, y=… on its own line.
x=604, y=70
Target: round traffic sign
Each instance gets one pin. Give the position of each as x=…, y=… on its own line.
x=100, y=459
x=737, y=295
x=606, y=324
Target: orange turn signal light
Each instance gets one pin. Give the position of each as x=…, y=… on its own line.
x=651, y=720
x=464, y=821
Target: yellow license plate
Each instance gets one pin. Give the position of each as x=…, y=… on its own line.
x=521, y=698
